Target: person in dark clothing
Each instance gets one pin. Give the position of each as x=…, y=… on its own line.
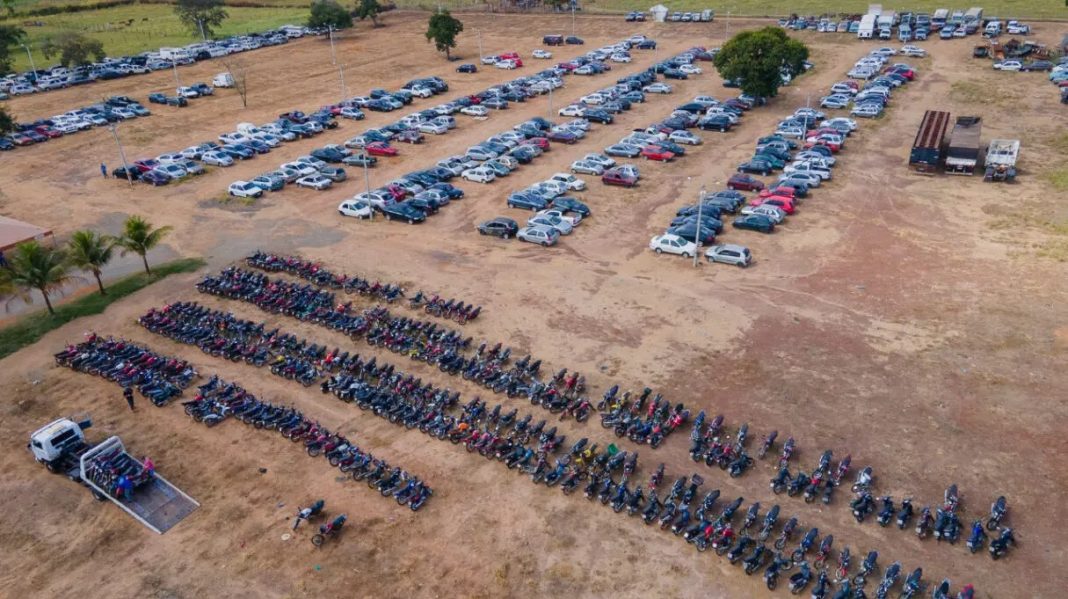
x=127, y=393
x=103, y=170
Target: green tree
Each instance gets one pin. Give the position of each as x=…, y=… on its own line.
x=139, y=237
x=758, y=59
x=369, y=9
x=34, y=266
x=442, y=30
x=73, y=48
x=327, y=13
x=7, y=121
x=201, y=17
x=92, y=252
x=10, y=38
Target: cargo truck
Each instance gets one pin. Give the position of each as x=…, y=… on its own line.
x=926, y=154
x=1001, y=156
x=963, y=154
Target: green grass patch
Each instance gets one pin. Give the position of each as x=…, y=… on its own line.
x=1059, y=179
x=30, y=328
x=138, y=28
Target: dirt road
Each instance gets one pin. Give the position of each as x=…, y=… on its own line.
x=911, y=322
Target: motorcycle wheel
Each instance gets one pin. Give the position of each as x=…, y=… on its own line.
x=317, y=539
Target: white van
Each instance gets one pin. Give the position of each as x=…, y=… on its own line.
x=223, y=80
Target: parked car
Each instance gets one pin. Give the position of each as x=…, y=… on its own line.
x=761, y=167
x=378, y=148
x=317, y=182
x=356, y=208
x=754, y=222
x=657, y=153
x=744, y=182
x=567, y=204
x=623, y=150
x=587, y=167
x=729, y=254
x=481, y=174
x=502, y=227
x=658, y=88
x=527, y=201
x=672, y=244
x=403, y=212
x=619, y=176
x=561, y=225
x=245, y=189
x=544, y=236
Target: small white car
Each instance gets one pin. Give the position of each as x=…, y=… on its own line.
x=474, y=111
x=356, y=208
x=421, y=92
x=621, y=58
x=834, y=101
x=1008, y=65
x=572, y=110
x=233, y=138
x=658, y=88
x=690, y=69
x=244, y=189
x=214, y=158
x=303, y=169
x=807, y=167
x=479, y=175
x=543, y=236
x=316, y=182
x=600, y=159
x=683, y=136
x=913, y=51
x=587, y=167
x=672, y=244
x=572, y=182
x=543, y=54
x=571, y=219
x=505, y=64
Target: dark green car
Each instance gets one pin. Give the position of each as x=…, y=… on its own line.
x=268, y=182
x=754, y=222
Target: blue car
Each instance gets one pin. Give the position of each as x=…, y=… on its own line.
x=527, y=201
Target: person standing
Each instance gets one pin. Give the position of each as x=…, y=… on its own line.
x=127, y=393
x=103, y=170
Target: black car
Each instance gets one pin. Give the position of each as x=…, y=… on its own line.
x=203, y=89
x=598, y=116
x=1038, y=65
x=328, y=155
x=569, y=204
x=404, y=212
x=754, y=222
x=675, y=74
x=121, y=173
x=762, y=167
x=157, y=98
x=426, y=204
x=716, y=122
x=526, y=201
x=155, y=178
x=575, y=41
x=708, y=221
x=502, y=227
x=693, y=107
x=732, y=83
x=716, y=210
x=454, y=193
x=690, y=232
x=646, y=45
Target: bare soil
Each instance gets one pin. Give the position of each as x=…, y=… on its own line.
x=917, y=323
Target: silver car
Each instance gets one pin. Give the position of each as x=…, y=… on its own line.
x=543, y=236
x=729, y=254
x=562, y=226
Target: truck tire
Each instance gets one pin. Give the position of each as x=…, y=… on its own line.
x=52, y=467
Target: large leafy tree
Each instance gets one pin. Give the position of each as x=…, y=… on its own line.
x=10, y=38
x=34, y=266
x=7, y=121
x=368, y=9
x=139, y=237
x=327, y=13
x=91, y=251
x=201, y=16
x=758, y=59
x=73, y=48
x=442, y=30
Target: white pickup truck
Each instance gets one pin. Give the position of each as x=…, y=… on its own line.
x=152, y=501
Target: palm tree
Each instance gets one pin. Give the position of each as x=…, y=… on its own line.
x=139, y=237
x=34, y=266
x=91, y=251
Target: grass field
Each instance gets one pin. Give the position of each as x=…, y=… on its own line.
x=33, y=326
x=139, y=27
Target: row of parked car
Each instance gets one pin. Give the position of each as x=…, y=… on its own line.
x=58, y=77
x=182, y=95
x=111, y=110
x=870, y=100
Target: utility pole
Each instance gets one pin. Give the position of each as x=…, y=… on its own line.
x=333, y=53
x=550, y=101
x=177, y=83
x=478, y=32
x=697, y=230
x=341, y=73
x=30, y=56
x=367, y=182
x=203, y=36
x=728, y=22
x=122, y=153
x=573, y=17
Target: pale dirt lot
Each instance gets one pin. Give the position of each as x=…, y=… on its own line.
x=905, y=320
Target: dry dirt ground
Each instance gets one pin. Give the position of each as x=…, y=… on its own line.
x=916, y=323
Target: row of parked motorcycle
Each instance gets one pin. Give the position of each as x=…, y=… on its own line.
x=447, y=349
x=315, y=272
x=158, y=378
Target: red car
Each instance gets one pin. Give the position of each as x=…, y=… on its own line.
x=21, y=139
x=378, y=148
x=334, y=109
x=567, y=66
x=906, y=73
x=744, y=183
x=48, y=132
x=398, y=192
x=657, y=153
x=786, y=204
x=782, y=191
x=616, y=177
x=540, y=142
x=146, y=165
x=820, y=141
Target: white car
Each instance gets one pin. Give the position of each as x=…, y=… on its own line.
x=807, y=167
x=479, y=174
x=866, y=110
x=816, y=157
x=171, y=158
x=794, y=132
x=884, y=52
x=474, y=111
x=544, y=54
x=572, y=110
x=489, y=59
x=355, y=208
x=622, y=58
x=774, y=213
x=592, y=99
x=706, y=101
x=600, y=159
x=913, y=51
x=672, y=244
x=571, y=219
x=317, y=182
x=434, y=128
x=562, y=226
x=505, y=64
x=658, y=88
x=834, y=101
x=587, y=167
x=244, y=189
x=1008, y=65
x=684, y=137
x=421, y=92
x=214, y=158
x=572, y=182
x=690, y=69
x=838, y=122
x=302, y=168
x=233, y=138
x=188, y=92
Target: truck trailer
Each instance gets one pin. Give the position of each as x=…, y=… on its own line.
x=867, y=27
x=963, y=154
x=926, y=154
x=110, y=473
x=1001, y=156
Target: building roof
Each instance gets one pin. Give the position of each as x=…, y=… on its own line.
x=14, y=232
